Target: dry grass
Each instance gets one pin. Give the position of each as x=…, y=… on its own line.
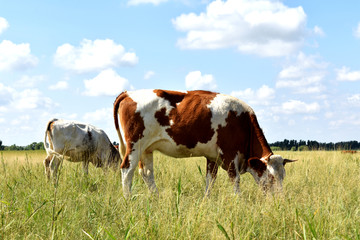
x=21, y=157
x=320, y=201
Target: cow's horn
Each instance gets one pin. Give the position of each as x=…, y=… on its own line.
x=288, y=161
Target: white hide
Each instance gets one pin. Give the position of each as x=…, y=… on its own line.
x=78, y=142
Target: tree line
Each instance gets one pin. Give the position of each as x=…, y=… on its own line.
x=32, y=146
x=303, y=145
x=286, y=144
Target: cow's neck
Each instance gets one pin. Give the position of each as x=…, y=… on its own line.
x=259, y=147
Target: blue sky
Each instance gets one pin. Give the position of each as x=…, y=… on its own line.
x=296, y=63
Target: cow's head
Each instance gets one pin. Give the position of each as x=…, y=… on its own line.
x=114, y=158
x=268, y=173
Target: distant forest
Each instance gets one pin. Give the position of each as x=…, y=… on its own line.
x=292, y=145
x=309, y=145
x=32, y=146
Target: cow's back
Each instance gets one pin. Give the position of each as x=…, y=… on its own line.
x=74, y=139
x=182, y=124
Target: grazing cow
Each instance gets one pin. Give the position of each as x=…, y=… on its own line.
x=221, y=128
x=77, y=142
x=349, y=151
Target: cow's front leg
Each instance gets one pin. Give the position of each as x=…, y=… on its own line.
x=146, y=170
x=234, y=174
x=211, y=172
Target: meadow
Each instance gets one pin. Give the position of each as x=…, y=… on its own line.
x=320, y=201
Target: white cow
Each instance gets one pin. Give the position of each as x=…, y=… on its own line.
x=77, y=142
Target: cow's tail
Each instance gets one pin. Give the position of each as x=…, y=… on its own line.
x=122, y=147
x=49, y=145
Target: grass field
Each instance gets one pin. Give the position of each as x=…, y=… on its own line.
x=320, y=201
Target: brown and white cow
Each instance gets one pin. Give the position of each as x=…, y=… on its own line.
x=219, y=127
x=77, y=142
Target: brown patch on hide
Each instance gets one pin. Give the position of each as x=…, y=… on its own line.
x=161, y=117
x=141, y=166
x=212, y=168
x=234, y=136
x=173, y=97
x=259, y=146
x=241, y=134
x=50, y=126
x=258, y=166
x=49, y=130
x=131, y=122
x=47, y=161
x=117, y=102
x=191, y=117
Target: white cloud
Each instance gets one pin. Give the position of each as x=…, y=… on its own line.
x=6, y=95
x=20, y=120
x=291, y=122
x=196, y=81
x=14, y=100
x=354, y=99
x=310, y=118
x=344, y=74
x=61, y=85
x=93, y=56
x=107, y=83
x=357, y=31
x=262, y=96
x=3, y=24
x=16, y=56
x=264, y=28
x=329, y=115
x=137, y=2
x=29, y=81
x=305, y=75
x=318, y=31
x=351, y=119
x=295, y=107
x=31, y=99
x=149, y=75
x=11, y=99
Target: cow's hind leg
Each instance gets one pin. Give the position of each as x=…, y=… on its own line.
x=86, y=167
x=47, y=165
x=128, y=167
x=211, y=172
x=54, y=167
x=146, y=170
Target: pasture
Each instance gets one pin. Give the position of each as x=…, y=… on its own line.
x=320, y=201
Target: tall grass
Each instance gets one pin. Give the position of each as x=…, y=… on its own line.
x=320, y=201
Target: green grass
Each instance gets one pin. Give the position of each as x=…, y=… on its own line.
x=320, y=201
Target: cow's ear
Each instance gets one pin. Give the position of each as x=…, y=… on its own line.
x=257, y=164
